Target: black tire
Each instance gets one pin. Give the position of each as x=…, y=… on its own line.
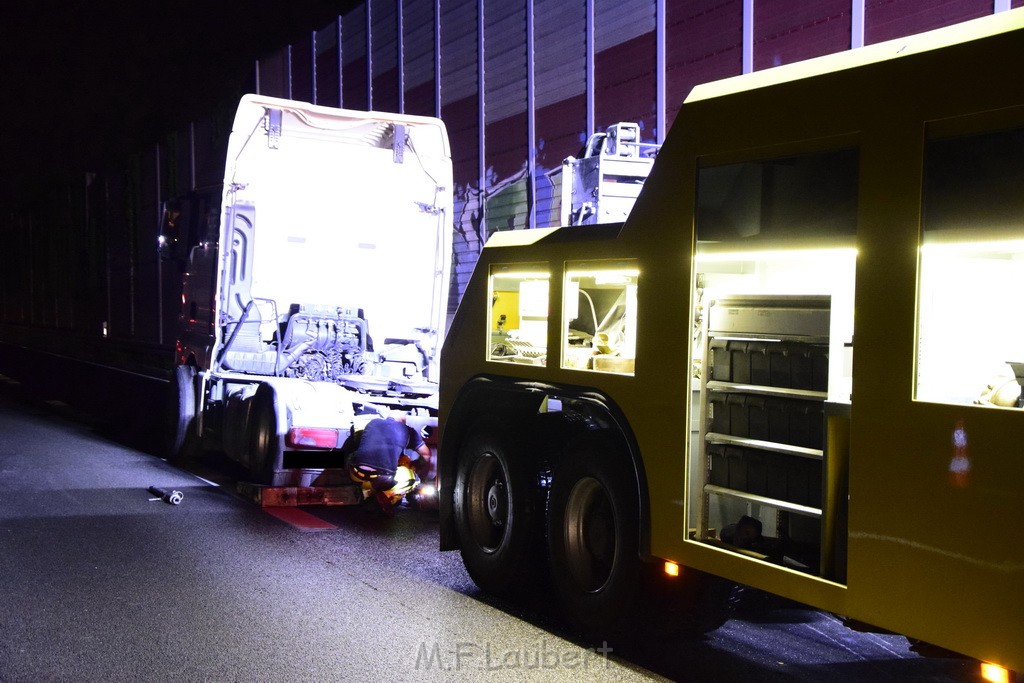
x=497, y=513
x=181, y=439
x=235, y=428
x=593, y=535
x=266, y=446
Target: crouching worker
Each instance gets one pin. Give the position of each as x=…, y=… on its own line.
x=379, y=462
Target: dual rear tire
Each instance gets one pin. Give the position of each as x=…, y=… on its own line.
x=259, y=445
x=586, y=538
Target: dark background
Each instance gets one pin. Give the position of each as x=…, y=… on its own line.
x=85, y=83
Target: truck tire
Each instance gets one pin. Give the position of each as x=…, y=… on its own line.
x=496, y=513
x=235, y=429
x=265, y=444
x=181, y=440
x=593, y=535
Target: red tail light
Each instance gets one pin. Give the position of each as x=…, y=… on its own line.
x=313, y=437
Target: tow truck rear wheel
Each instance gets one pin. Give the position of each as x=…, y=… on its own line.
x=265, y=444
x=182, y=442
x=496, y=512
x=593, y=535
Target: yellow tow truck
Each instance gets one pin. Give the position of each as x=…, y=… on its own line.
x=795, y=366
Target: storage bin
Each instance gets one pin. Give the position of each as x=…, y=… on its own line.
x=720, y=415
x=760, y=369
x=757, y=418
x=719, y=467
x=738, y=418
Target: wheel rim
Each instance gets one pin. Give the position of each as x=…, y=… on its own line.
x=487, y=496
x=589, y=535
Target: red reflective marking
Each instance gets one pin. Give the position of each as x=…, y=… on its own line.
x=300, y=519
x=312, y=437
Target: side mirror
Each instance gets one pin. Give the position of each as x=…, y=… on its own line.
x=172, y=242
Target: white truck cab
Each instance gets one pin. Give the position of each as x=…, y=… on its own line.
x=320, y=298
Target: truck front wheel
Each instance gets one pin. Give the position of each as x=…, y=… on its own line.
x=265, y=444
x=495, y=512
x=593, y=539
x=182, y=442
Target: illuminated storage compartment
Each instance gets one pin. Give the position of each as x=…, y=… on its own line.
x=762, y=429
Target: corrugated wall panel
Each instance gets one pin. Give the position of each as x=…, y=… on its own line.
x=561, y=132
x=560, y=50
x=211, y=142
x=505, y=139
x=274, y=76
x=504, y=60
x=176, y=158
x=418, y=24
x=702, y=44
x=459, y=110
x=385, y=55
x=420, y=100
x=888, y=19
x=788, y=31
x=560, y=97
x=561, y=81
x=119, y=263
x=146, y=222
x=506, y=163
x=625, y=85
x=619, y=21
x=459, y=94
x=302, y=70
x=458, y=50
x=460, y=118
x=353, y=53
x=328, y=70
x=505, y=204
x=625, y=64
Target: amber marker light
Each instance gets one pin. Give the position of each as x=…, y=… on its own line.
x=994, y=673
x=671, y=568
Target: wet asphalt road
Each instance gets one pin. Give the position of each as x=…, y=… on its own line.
x=98, y=582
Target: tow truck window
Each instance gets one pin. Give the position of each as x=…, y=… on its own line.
x=518, y=323
x=599, y=313
x=970, y=345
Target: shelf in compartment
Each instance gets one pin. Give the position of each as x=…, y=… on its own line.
x=809, y=340
x=762, y=445
x=764, y=500
x=762, y=390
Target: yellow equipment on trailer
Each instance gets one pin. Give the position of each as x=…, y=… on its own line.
x=796, y=365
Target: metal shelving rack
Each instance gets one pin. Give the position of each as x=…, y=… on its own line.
x=763, y=392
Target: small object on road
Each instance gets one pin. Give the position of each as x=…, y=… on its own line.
x=173, y=497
